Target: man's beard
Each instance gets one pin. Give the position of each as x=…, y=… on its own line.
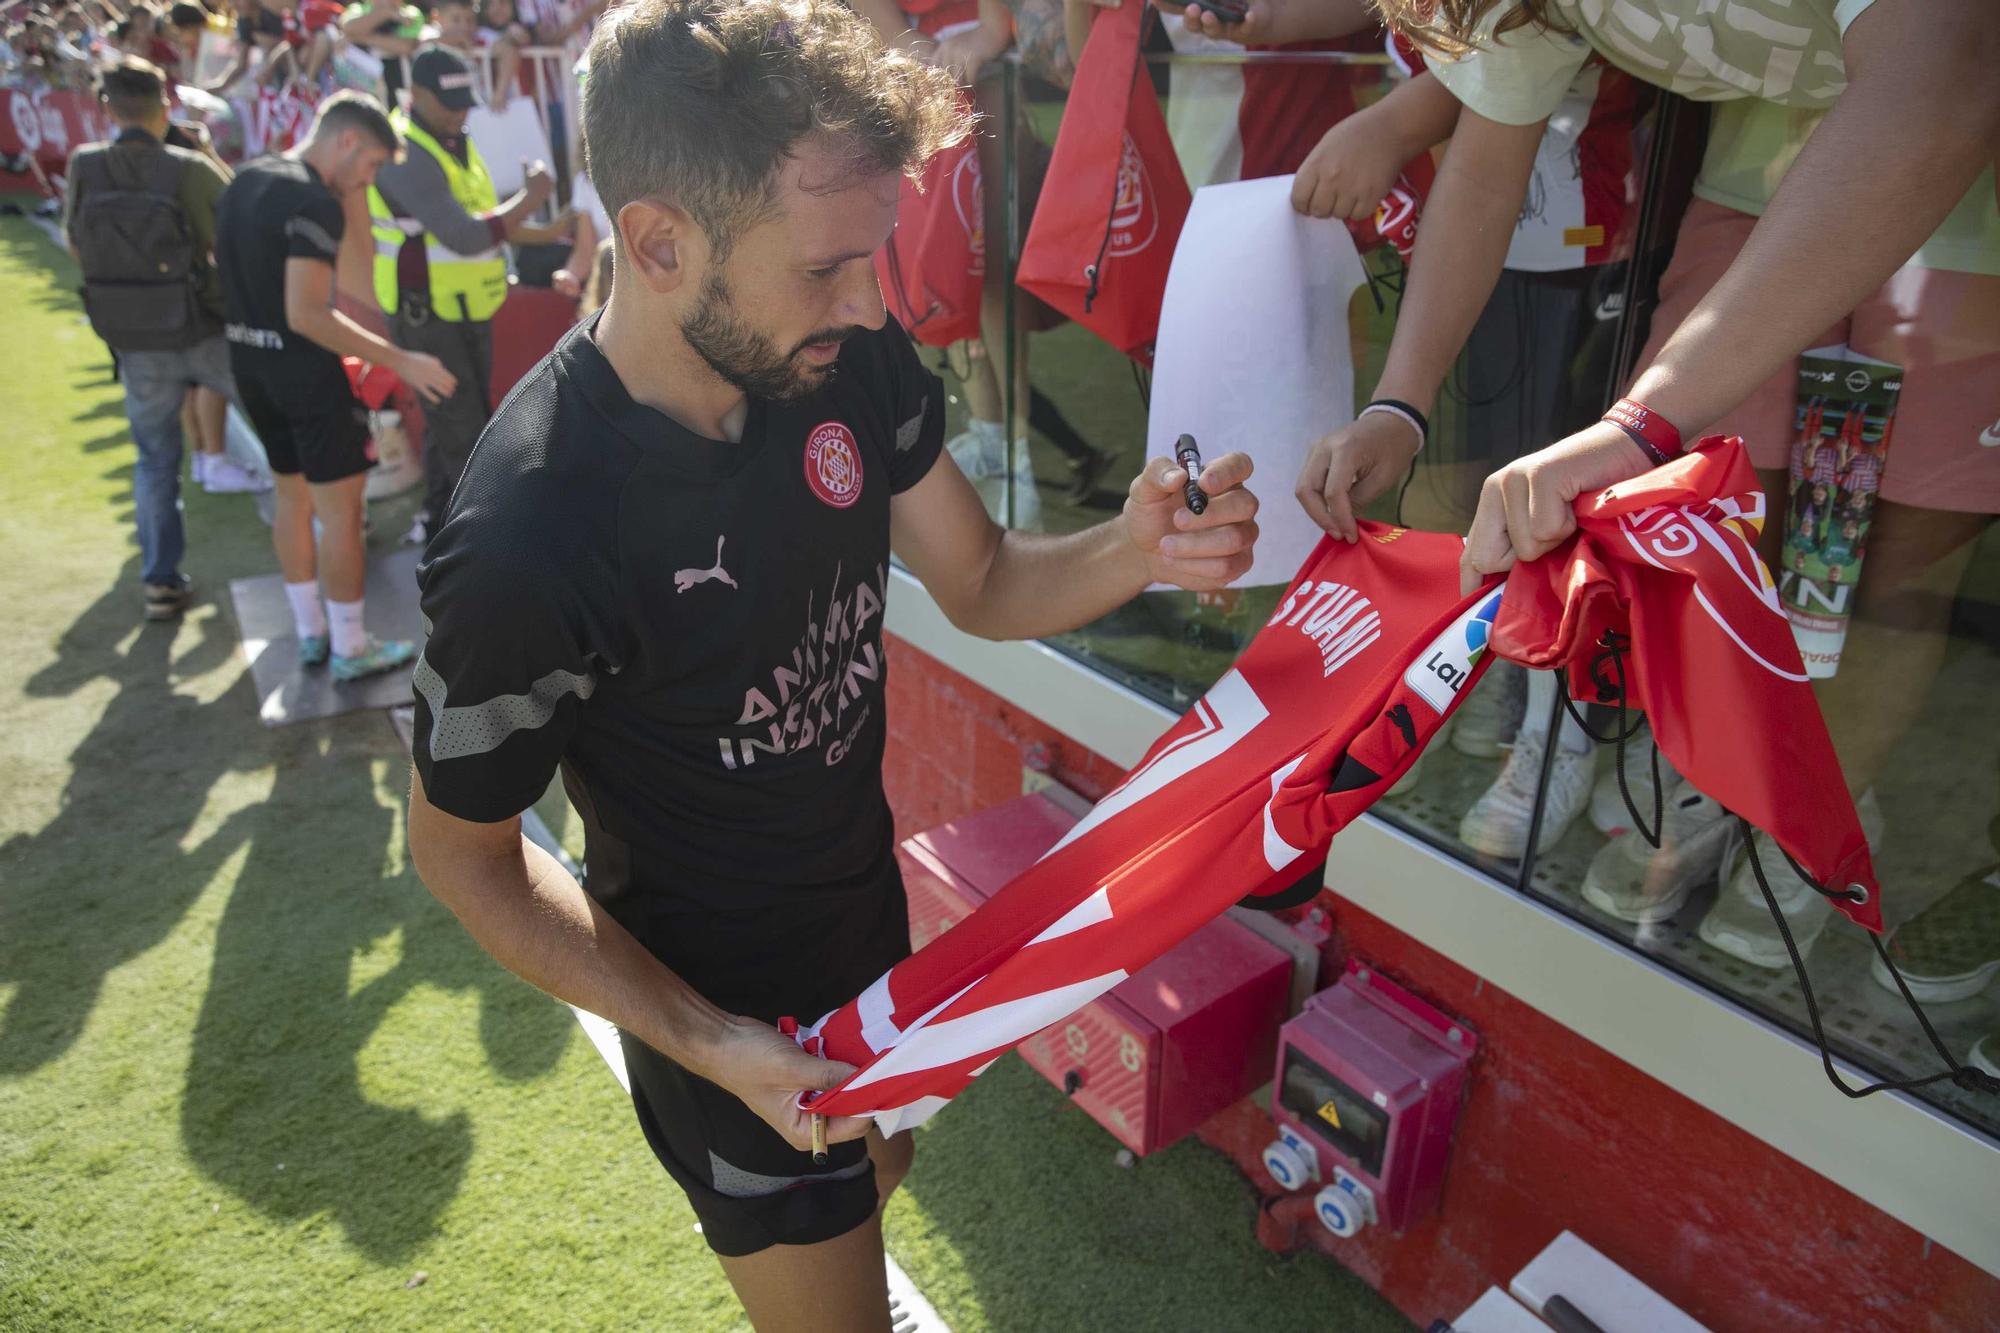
x=748, y=359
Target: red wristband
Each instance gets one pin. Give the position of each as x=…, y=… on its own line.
x=1648, y=429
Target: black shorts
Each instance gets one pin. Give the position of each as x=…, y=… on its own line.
x=749, y=1188
x=323, y=434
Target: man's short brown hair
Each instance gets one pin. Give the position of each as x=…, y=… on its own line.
x=350, y=109
x=701, y=101
x=132, y=89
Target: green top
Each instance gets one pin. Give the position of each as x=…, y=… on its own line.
x=412, y=25
x=1772, y=67
x=1752, y=144
x=201, y=185
x=1786, y=51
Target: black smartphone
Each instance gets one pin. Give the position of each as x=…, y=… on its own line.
x=1229, y=11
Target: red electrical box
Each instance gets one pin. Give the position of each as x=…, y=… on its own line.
x=1370, y=1080
x=1164, y=1050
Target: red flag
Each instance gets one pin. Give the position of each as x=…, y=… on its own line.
x=1332, y=702
x=1667, y=564
x=1112, y=205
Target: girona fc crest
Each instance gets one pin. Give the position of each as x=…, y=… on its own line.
x=1135, y=217
x=1713, y=542
x=833, y=464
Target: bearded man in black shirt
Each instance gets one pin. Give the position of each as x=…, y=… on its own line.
x=663, y=573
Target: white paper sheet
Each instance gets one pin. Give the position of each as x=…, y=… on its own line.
x=1253, y=352
x=506, y=139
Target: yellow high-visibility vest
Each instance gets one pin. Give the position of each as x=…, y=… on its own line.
x=463, y=287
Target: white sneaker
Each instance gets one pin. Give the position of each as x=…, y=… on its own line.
x=1497, y=823
x=1635, y=881
x=980, y=450
x=1608, y=812
x=1027, y=515
x=1740, y=923
x=1487, y=721
x=223, y=475
x=1986, y=1054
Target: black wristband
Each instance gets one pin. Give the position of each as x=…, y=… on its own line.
x=1646, y=446
x=1398, y=407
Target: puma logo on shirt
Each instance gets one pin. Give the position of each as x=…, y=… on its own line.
x=687, y=578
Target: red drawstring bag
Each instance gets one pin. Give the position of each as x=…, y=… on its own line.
x=1659, y=597
x=1395, y=218
x=934, y=266
x=373, y=385
x=1111, y=210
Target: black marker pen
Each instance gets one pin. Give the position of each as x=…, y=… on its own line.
x=1188, y=455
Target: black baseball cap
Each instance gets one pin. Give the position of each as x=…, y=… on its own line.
x=447, y=76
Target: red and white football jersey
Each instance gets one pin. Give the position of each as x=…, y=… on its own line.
x=1367, y=654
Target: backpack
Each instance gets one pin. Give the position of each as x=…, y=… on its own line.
x=137, y=252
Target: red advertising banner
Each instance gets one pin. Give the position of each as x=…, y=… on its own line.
x=49, y=125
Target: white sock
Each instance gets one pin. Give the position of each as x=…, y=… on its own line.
x=308, y=616
x=198, y=467
x=989, y=432
x=349, y=638
x=1541, y=698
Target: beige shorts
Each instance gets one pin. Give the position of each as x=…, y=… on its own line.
x=1941, y=327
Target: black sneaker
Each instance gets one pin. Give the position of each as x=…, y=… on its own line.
x=166, y=601
x=1085, y=472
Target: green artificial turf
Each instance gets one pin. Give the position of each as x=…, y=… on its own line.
x=253, y=1077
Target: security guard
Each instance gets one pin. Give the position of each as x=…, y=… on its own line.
x=440, y=270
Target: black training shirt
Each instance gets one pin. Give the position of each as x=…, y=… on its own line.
x=691, y=629
x=276, y=209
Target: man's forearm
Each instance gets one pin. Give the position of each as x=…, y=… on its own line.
x=1038, y=584
x=1901, y=147
x=538, y=923
x=1420, y=113
x=340, y=335
x=512, y=214
x=1462, y=241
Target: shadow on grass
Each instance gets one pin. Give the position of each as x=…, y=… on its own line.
x=26, y=243
x=106, y=879
x=323, y=929
x=275, y=1071
x=275, y=1075
x=1044, y=1229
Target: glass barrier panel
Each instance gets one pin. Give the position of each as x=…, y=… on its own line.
x=1897, y=583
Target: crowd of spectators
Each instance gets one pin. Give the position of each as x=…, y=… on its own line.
x=518, y=47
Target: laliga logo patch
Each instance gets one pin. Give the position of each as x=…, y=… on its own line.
x=1134, y=219
x=968, y=198
x=1444, y=667
x=833, y=464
